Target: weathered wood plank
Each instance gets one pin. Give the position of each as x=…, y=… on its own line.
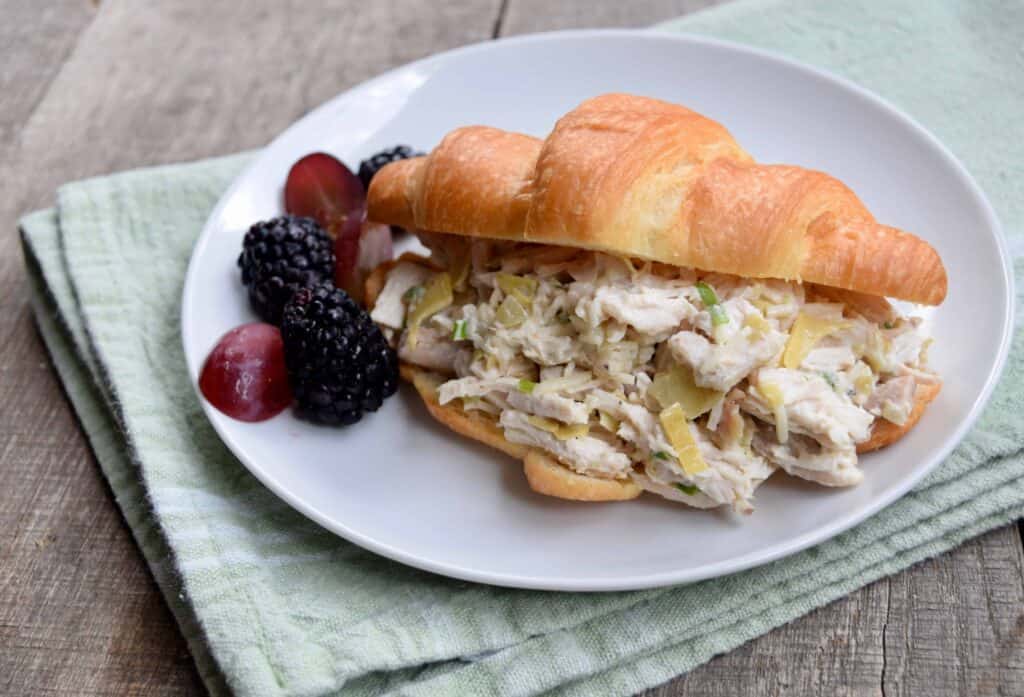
x=836, y=650
x=955, y=624
x=242, y=72
x=62, y=542
x=950, y=626
x=524, y=16
x=35, y=38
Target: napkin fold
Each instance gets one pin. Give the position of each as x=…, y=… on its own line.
x=271, y=604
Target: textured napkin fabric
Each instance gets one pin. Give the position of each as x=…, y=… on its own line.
x=273, y=605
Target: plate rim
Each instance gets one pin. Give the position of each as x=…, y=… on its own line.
x=650, y=580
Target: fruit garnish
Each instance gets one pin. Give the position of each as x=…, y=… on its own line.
x=319, y=186
x=322, y=187
x=359, y=247
x=245, y=376
x=339, y=363
x=280, y=256
x=370, y=166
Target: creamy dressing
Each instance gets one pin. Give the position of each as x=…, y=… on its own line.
x=576, y=353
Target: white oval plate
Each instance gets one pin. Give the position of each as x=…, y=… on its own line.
x=403, y=486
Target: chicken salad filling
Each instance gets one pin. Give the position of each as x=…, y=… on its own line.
x=697, y=386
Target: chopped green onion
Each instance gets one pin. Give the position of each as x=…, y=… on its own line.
x=414, y=293
x=830, y=379
x=710, y=300
x=527, y=386
x=718, y=315
x=661, y=455
x=688, y=489
x=888, y=324
x=707, y=294
x=459, y=332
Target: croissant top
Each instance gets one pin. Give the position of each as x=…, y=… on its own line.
x=647, y=179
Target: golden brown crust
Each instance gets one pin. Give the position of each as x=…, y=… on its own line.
x=549, y=477
x=884, y=432
x=473, y=183
x=467, y=423
x=653, y=180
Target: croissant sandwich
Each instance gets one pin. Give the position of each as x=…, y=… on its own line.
x=634, y=304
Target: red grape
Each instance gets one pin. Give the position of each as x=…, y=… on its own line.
x=245, y=375
x=319, y=186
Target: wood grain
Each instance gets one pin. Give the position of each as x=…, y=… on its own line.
x=525, y=16
x=90, y=90
x=948, y=626
x=79, y=613
x=958, y=622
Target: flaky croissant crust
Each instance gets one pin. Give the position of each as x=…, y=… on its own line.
x=647, y=179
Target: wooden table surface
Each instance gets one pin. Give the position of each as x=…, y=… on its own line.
x=90, y=87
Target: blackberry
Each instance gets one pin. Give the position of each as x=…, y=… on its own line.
x=368, y=168
x=280, y=256
x=339, y=364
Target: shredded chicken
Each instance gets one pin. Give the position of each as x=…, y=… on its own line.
x=576, y=353
x=433, y=351
x=552, y=406
x=893, y=399
x=389, y=308
x=722, y=366
x=805, y=458
x=811, y=405
x=584, y=454
x=649, y=306
x=828, y=358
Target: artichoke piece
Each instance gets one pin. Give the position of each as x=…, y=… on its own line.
x=558, y=429
x=677, y=428
x=436, y=296
x=519, y=287
x=677, y=386
x=807, y=331
x=511, y=312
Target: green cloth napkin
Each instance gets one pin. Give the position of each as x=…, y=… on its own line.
x=273, y=605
